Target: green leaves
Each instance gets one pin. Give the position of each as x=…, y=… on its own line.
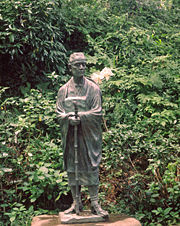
x=31, y=35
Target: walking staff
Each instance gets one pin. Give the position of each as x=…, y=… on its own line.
x=76, y=159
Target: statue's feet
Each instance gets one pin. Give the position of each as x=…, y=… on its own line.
x=72, y=209
x=97, y=210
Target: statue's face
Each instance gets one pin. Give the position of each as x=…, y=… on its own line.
x=78, y=68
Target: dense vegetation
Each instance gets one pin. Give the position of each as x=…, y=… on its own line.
x=139, y=41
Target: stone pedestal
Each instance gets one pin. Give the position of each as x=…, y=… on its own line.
x=84, y=217
x=114, y=220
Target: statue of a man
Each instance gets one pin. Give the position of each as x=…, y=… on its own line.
x=87, y=96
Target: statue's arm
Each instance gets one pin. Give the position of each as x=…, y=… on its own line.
x=95, y=102
x=61, y=115
x=95, y=106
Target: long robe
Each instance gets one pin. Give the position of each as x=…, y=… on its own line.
x=89, y=131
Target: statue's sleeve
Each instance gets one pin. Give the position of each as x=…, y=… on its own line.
x=61, y=115
x=91, y=126
x=95, y=106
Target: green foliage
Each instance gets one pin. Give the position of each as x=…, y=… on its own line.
x=31, y=40
x=31, y=156
x=139, y=41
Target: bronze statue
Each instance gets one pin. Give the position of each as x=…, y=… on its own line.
x=79, y=112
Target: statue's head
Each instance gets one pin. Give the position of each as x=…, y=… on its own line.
x=77, y=64
x=79, y=56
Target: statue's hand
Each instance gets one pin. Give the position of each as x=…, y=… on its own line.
x=74, y=121
x=70, y=114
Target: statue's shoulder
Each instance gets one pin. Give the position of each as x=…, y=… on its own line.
x=64, y=87
x=92, y=83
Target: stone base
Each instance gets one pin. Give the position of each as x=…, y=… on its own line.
x=84, y=217
x=114, y=220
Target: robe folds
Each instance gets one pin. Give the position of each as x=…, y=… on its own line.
x=89, y=102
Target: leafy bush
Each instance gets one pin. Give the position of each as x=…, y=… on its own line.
x=31, y=40
x=31, y=155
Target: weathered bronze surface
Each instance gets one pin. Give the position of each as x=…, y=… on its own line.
x=79, y=111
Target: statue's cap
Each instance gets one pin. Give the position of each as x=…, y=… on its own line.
x=76, y=57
